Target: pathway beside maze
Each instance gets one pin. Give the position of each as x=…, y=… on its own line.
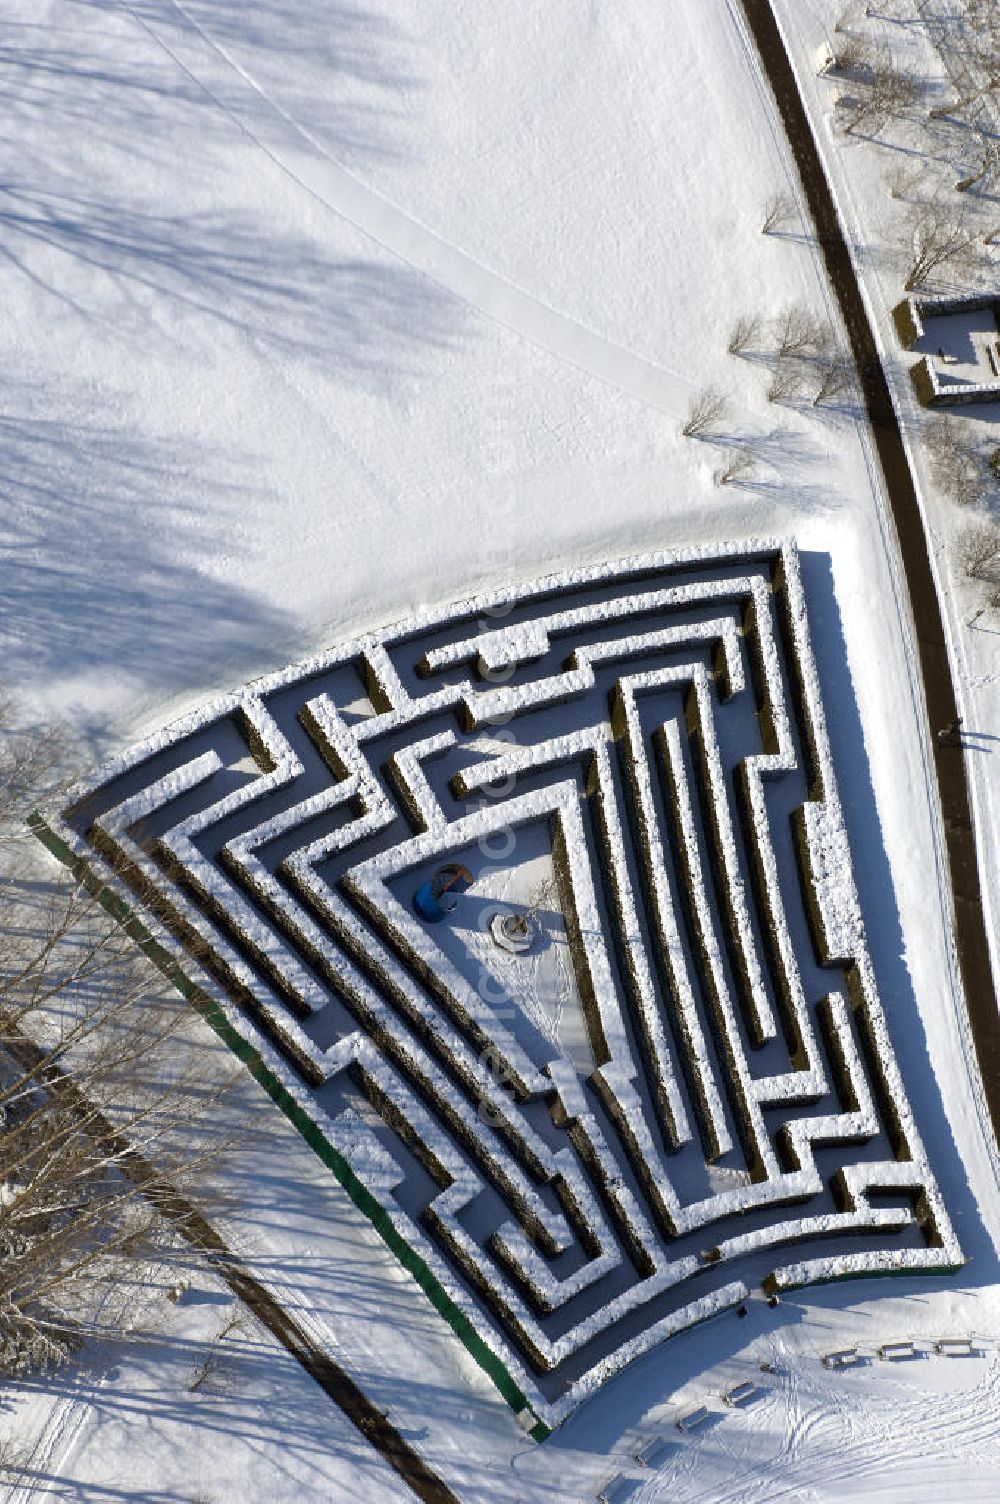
x=718, y=1106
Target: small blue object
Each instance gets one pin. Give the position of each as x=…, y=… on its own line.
x=435, y=899
x=426, y=905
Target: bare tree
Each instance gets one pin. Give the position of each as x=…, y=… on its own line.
x=30, y=761
x=214, y=1372
x=955, y=106
x=788, y=379
x=886, y=95
x=799, y=332
x=988, y=165
x=744, y=333
x=852, y=54
x=985, y=53
x=940, y=235
x=739, y=465
x=100, y=1093
x=708, y=409
x=978, y=547
x=779, y=209
x=902, y=178
x=849, y=16
x=807, y=356
x=941, y=437
x=836, y=376
x=955, y=464
x=963, y=108
x=982, y=73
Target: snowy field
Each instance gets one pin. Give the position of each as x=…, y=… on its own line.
x=319, y=316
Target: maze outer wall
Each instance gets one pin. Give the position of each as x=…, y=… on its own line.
x=685, y=1089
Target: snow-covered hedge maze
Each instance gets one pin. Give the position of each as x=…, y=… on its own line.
x=686, y=1088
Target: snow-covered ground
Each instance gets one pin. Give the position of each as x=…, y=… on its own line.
x=315, y=315
x=876, y=226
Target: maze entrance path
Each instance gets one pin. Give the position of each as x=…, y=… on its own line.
x=686, y=1087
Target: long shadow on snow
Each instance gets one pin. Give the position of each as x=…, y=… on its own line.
x=93, y=559
x=254, y=1393
x=366, y=320
x=347, y=70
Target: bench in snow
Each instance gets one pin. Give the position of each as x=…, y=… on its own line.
x=955, y=1347
x=693, y=1419
x=654, y=1452
x=742, y=1394
x=841, y=1357
x=894, y=1350
x=616, y=1490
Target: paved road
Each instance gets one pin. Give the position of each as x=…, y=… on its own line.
x=935, y=668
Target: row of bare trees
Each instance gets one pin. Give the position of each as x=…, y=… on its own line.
x=805, y=362
x=944, y=224
x=102, y=1090
x=709, y=409
x=939, y=232
x=809, y=361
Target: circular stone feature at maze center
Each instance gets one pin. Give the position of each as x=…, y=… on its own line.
x=513, y=932
x=534, y=994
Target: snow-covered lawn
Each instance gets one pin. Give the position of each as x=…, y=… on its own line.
x=316, y=316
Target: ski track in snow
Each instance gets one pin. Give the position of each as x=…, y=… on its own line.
x=398, y=232
x=837, y=1435
x=52, y=1447
x=55, y=1442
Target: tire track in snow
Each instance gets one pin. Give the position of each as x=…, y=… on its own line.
x=406, y=238
x=832, y=1433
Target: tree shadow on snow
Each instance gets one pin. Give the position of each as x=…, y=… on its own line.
x=243, y=1391
x=346, y=69
x=99, y=559
x=366, y=321
x=113, y=526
